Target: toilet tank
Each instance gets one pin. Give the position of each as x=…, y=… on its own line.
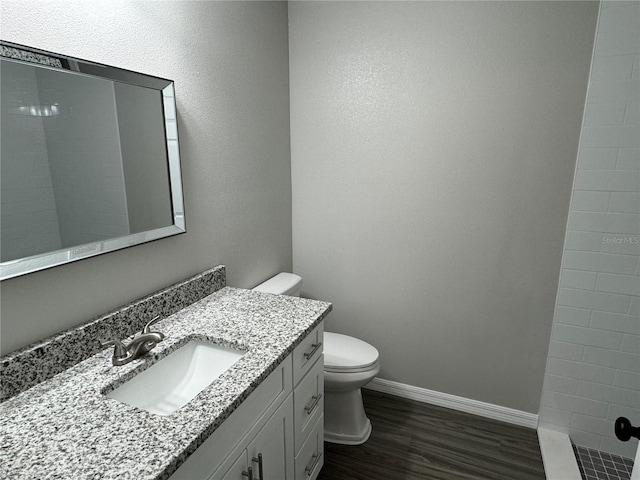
x=282, y=284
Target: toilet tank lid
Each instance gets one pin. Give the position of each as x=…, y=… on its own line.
x=282, y=284
x=342, y=352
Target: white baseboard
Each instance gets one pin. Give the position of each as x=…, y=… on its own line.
x=489, y=410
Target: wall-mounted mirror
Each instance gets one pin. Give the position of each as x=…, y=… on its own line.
x=89, y=160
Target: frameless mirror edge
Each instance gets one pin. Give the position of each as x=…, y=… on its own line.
x=173, y=156
x=35, y=263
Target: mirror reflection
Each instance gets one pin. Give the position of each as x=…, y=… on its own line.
x=84, y=160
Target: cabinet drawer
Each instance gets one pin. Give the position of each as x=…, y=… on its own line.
x=308, y=402
x=252, y=413
x=306, y=353
x=310, y=460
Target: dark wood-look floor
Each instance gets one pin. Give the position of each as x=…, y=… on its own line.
x=412, y=440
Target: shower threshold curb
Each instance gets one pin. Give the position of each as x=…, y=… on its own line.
x=557, y=455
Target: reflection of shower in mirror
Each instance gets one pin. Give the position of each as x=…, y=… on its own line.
x=89, y=160
x=52, y=110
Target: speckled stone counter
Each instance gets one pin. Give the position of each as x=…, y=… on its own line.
x=43, y=359
x=65, y=427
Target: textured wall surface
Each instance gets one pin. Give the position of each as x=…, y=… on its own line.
x=593, y=369
x=433, y=146
x=230, y=64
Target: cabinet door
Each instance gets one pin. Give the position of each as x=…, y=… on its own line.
x=234, y=472
x=274, y=445
x=230, y=438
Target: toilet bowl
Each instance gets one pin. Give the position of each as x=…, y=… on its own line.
x=349, y=364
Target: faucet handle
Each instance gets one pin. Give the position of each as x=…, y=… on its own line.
x=120, y=351
x=147, y=327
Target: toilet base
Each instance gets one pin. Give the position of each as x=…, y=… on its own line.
x=345, y=421
x=344, y=439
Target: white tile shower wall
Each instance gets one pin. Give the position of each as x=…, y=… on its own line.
x=28, y=214
x=39, y=213
x=593, y=368
x=84, y=152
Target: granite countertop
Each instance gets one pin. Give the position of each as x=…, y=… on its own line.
x=65, y=427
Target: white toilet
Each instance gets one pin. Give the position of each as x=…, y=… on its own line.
x=349, y=364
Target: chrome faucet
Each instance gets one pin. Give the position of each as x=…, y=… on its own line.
x=143, y=343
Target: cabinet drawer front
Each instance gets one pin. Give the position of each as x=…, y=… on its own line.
x=252, y=413
x=310, y=460
x=306, y=353
x=308, y=402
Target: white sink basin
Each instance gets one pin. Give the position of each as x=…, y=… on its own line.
x=175, y=380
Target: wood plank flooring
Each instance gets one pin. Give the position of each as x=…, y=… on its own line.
x=412, y=440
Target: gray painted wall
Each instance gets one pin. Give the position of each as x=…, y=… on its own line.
x=433, y=146
x=230, y=64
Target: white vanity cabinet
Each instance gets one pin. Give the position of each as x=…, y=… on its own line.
x=277, y=432
x=308, y=406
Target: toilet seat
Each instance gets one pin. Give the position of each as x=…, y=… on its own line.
x=345, y=354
